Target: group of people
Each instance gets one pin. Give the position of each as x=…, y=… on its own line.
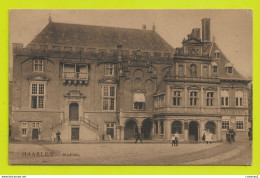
x=230, y=135
x=207, y=136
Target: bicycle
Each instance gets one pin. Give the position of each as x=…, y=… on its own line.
x=57, y=141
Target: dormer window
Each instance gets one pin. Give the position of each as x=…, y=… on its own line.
x=109, y=69
x=217, y=54
x=38, y=65
x=229, y=70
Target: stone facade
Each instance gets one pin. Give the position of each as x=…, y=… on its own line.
x=107, y=84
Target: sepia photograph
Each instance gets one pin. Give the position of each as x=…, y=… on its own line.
x=130, y=87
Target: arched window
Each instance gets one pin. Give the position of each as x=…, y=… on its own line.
x=74, y=112
x=193, y=70
x=211, y=126
x=181, y=71
x=176, y=127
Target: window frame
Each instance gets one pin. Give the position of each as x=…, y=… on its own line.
x=226, y=127
x=217, y=55
x=109, y=97
x=109, y=66
x=176, y=99
x=228, y=70
x=224, y=99
x=193, y=98
x=210, y=99
x=139, y=104
x=38, y=94
x=38, y=65
x=239, y=98
x=24, y=126
x=239, y=121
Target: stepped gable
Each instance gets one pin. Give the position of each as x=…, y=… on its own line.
x=102, y=36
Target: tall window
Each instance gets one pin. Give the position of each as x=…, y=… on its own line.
x=209, y=99
x=109, y=94
x=162, y=127
x=37, y=65
x=37, y=95
x=193, y=70
x=239, y=97
x=193, y=98
x=109, y=69
x=215, y=69
x=24, y=128
x=176, y=98
x=225, y=125
x=224, y=98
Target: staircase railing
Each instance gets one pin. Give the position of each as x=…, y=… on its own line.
x=91, y=124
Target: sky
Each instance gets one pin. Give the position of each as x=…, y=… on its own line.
x=232, y=29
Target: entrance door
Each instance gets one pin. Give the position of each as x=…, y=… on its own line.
x=193, y=131
x=74, y=112
x=147, y=129
x=74, y=133
x=35, y=134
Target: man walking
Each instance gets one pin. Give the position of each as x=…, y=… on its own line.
x=175, y=138
x=138, y=137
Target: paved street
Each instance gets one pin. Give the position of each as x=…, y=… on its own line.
x=238, y=153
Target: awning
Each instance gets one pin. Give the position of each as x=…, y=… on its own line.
x=139, y=97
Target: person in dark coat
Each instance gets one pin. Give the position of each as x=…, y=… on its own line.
x=58, y=136
x=138, y=137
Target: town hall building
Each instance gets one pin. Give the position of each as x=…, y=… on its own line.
x=107, y=83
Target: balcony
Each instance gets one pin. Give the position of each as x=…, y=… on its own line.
x=192, y=79
x=75, y=78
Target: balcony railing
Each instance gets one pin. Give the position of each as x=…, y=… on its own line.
x=193, y=79
x=75, y=75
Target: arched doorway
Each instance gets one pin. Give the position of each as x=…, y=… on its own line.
x=74, y=112
x=211, y=126
x=193, y=131
x=176, y=127
x=130, y=130
x=147, y=127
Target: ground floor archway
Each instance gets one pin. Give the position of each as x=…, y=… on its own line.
x=147, y=128
x=193, y=131
x=130, y=130
x=211, y=126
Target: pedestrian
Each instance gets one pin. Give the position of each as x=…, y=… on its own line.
x=250, y=134
x=210, y=137
x=58, y=136
x=138, y=137
x=176, y=137
x=173, y=140
x=204, y=135
x=207, y=137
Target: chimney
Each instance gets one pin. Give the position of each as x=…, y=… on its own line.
x=144, y=27
x=196, y=33
x=119, y=52
x=205, y=30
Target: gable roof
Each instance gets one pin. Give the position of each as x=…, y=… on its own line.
x=221, y=63
x=101, y=36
